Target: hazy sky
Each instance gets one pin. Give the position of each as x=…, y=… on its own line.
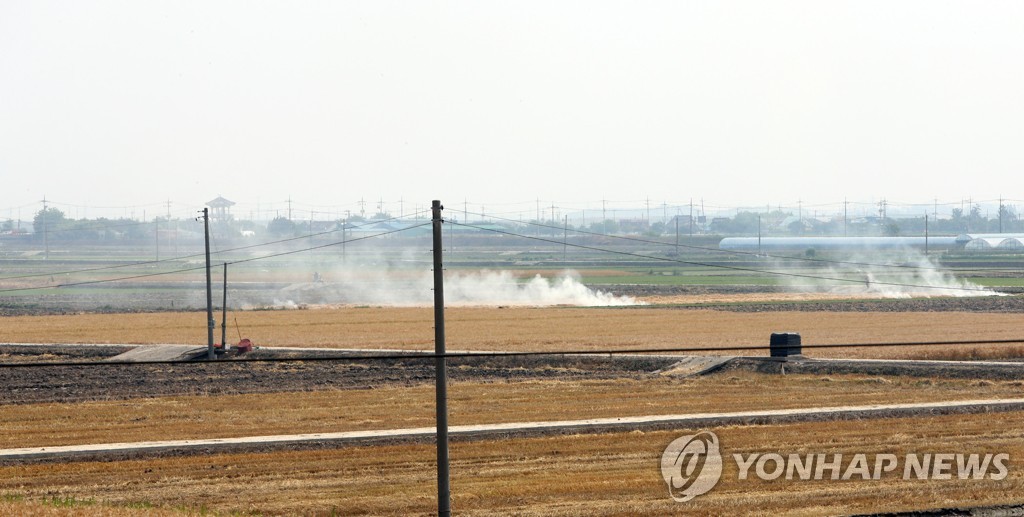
x=115, y=104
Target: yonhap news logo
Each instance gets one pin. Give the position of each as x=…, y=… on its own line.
x=692, y=465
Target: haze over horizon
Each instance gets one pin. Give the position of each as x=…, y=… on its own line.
x=113, y=109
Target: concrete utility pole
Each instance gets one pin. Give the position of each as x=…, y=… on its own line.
x=677, y=233
x=1000, y=214
x=845, y=217
x=224, y=312
x=444, y=507
x=691, y=218
x=46, y=237
x=210, y=323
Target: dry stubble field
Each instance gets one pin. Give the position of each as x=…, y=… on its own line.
x=613, y=473
x=558, y=328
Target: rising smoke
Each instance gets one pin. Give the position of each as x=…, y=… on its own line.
x=914, y=276
x=378, y=282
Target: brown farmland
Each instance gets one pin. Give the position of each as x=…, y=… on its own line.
x=594, y=474
x=604, y=474
x=559, y=328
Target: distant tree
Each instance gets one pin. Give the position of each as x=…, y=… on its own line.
x=7, y=226
x=48, y=220
x=609, y=226
x=890, y=228
x=281, y=227
x=656, y=229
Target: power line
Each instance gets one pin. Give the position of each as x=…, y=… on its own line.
x=148, y=275
x=748, y=253
x=413, y=355
x=194, y=255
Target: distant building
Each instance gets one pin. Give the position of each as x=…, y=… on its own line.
x=220, y=209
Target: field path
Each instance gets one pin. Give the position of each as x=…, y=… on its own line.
x=521, y=428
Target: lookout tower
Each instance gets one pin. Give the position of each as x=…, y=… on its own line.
x=220, y=209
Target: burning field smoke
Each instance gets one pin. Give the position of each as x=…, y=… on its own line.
x=501, y=288
x=383, y=283
x=917, y=276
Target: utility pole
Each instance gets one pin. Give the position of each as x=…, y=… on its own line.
x=677, y=232
x=552, y=219
x=210, y=323
x=539, y=222
x=759, y=235
x=289, y=208
x=444, y=508
x=1000, y=214
x=46, y=236
x=926, y=233
x=224, y=312
x=691, y=219
x=565, y=237
x=845, y=215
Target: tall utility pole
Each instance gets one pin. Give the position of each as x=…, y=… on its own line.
x=759, y=235
x=539, y=222
x=845, y=215
x=210, y=323
x=552, y=219
x=1000, y=214
x=46, y=236
x=565, y=236
x=691, y=218
x=289, y=208
x=926, y=233
x=444, y=502
x=224, y=312
x=677, y=232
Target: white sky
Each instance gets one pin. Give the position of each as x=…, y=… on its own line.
x=134, y=103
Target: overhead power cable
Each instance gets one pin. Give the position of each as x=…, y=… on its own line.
x=253, y=259
x=737, y=252
x=195, y=255
x=415, y=355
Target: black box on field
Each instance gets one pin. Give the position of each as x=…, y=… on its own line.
x=785, y=344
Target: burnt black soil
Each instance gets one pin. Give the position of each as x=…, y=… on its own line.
x=328, y=371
